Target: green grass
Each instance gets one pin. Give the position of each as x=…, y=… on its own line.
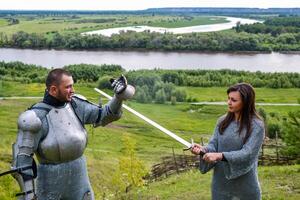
x=3, y=22
x=40, y=26
x=105, y=145
x=277, y=183
x=280, y=182
x=8, y=89
x=211, y=94
x=196, y=21
x=263, y=95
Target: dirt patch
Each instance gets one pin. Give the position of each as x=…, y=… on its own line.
x=117, y=126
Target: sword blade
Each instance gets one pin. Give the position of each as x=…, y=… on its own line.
x=156, y=125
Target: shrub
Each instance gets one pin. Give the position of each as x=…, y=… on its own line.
x=160, y=96
x=272, y=129
x=291, y=134
x=104, y=82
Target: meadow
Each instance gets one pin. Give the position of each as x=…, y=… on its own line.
x=65, y=24
x=106, y=147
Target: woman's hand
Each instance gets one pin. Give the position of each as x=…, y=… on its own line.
x=197, y=148
x=212, y=157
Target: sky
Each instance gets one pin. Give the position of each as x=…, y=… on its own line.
x=139, y=4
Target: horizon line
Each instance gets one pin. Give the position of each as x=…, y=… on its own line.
x=261, y=8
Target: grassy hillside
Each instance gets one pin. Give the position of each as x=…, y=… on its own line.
x=277, y=183
x=263, y=95
x=105, y=145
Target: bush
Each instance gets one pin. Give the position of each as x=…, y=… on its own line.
x=272, y=128
x=160, y=96
x=91, y=73
x=291, y=134
x=104, y=82
x=262, y=113
x=173, y=100
x=180, y=95
x=142, y=94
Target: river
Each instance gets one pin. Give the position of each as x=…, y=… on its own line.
x=200, y=28
x=133, y=60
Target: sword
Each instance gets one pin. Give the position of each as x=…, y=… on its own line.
x=156, y=125
x=14, y=170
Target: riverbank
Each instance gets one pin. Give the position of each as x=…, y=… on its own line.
x=156, y=50
x=134, y=60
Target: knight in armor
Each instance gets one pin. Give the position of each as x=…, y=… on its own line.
x=53, y=130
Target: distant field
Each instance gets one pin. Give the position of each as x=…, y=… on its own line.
x=211, y=94
x=81, y=23
x=263, y=95
x=176, y=23
x=3, y=22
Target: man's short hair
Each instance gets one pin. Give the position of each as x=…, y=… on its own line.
x=54, y=77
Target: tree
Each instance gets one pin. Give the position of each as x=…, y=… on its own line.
x=160, y=96
x=291, y=134
x=142, y=94
x=168, y=88
x=104, y=82
x=238, y=27
x=58, y=41
x=131, y=170
x=179, y=94
x=173, y=100
x=272, y=129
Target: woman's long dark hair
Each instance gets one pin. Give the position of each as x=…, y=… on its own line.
x=248, y=109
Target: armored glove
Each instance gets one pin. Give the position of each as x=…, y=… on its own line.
x=122, y=90
x=119, y=85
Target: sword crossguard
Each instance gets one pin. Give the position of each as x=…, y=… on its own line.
x=192, y=145
x=189, y=148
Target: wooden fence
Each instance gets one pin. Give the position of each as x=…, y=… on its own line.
x=270, y=153
x=177, y=163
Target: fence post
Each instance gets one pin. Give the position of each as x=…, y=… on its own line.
x=175, y=160
x=277, y=154
x=165, y=168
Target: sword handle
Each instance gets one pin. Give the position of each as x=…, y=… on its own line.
x=192, y=144
x=189, y=148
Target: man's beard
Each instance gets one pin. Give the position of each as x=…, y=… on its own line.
x=61, y=97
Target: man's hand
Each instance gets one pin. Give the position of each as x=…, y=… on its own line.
x=119, y=85
x=197, y=149
x=212, y=157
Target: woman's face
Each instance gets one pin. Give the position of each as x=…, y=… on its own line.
x=234, y=102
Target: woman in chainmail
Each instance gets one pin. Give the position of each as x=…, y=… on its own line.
x=232, y=151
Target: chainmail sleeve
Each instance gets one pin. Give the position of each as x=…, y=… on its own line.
x=241, y=161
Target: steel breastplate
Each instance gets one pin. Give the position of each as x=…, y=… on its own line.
x=66, y=138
